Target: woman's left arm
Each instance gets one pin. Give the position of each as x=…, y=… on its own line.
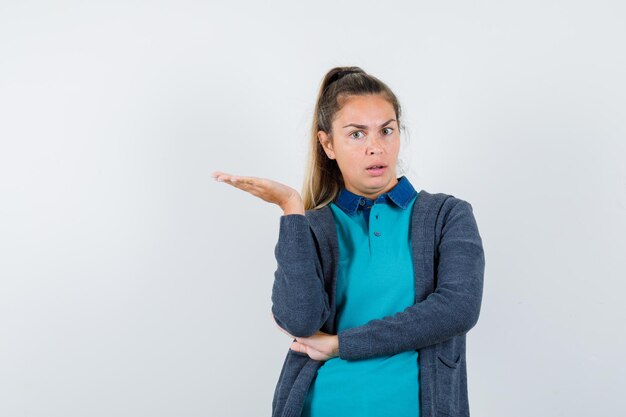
x=450, y=310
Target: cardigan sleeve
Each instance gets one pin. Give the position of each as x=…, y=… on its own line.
x=299, y=301
x=450, y=310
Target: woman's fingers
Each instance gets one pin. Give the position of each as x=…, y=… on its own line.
x=219, y=175
x=268, y=190
x=233, y=179
x=323, y=343
x=319, y=346
x=311, y=351
x=252, y=185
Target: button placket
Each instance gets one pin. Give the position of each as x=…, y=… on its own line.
x=375, y=213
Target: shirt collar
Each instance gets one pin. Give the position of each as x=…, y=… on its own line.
x=401, y=195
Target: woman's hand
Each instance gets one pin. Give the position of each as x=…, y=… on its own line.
x=284, y=196
x=321, y=346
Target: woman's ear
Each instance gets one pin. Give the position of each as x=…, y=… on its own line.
x=326, y=143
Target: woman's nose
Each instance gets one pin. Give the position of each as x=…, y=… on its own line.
x=374, y=146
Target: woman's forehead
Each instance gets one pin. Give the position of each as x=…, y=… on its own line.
x=366, y=110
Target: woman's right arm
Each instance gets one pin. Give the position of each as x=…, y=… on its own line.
x=299, y=301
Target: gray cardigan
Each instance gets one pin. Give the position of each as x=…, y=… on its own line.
x=449, y=263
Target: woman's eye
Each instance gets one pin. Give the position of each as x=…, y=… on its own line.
x=352, y=135
x=390, y=130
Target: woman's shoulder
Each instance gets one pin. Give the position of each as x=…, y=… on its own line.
x=438, y=199
x=319, y=214
x=440, y=207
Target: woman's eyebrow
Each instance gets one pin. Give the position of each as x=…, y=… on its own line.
x=365, y=127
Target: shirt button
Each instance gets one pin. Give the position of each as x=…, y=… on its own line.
x=377, y=233
x=362, y=202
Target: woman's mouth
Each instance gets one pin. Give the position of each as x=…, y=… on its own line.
x=376, y=170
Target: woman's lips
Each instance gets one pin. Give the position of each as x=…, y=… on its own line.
x=376, y=171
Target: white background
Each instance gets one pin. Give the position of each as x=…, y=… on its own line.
x=132, y=284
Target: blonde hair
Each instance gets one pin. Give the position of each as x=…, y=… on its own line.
x=323, y=179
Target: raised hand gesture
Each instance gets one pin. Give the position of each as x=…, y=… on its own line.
x=268, y=190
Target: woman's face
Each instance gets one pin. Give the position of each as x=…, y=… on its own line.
x=365, y=143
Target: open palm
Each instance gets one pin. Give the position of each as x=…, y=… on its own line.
x=266, y=189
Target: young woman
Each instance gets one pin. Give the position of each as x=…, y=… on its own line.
x=377, y=283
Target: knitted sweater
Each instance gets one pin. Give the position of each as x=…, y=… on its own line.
x=448, y=261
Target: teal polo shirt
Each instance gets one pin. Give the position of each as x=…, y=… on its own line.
x=375, y=279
